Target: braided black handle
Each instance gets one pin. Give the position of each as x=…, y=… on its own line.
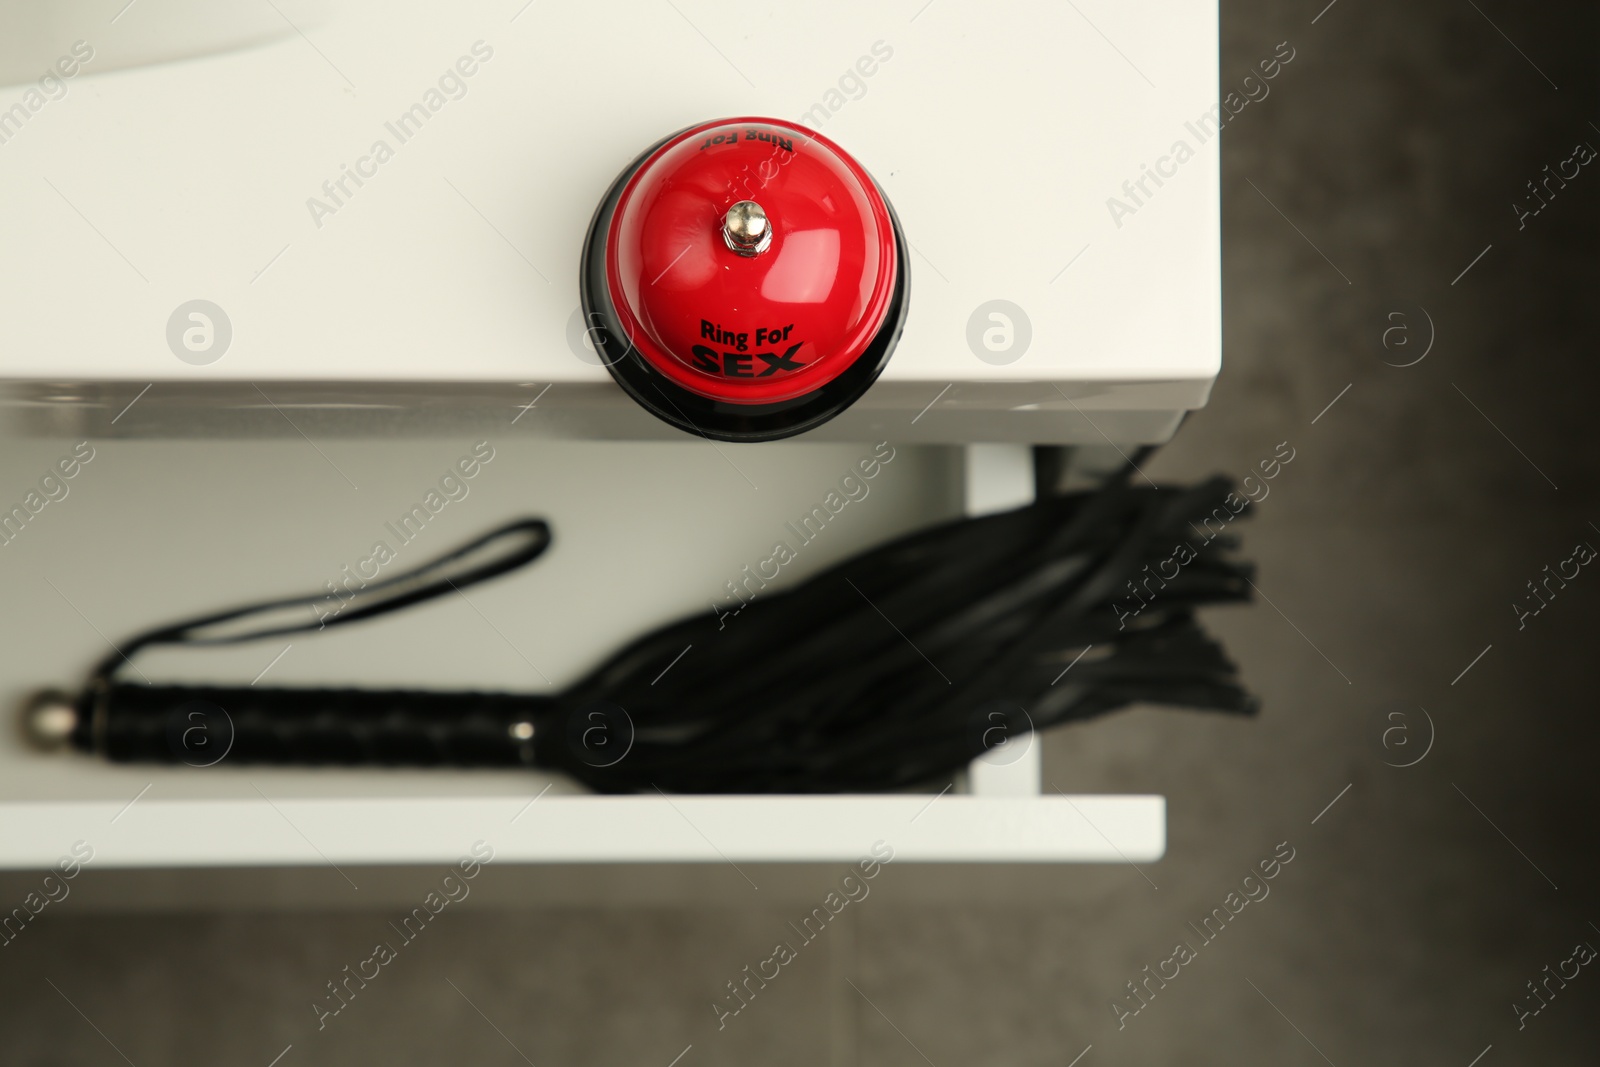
x=202, y=726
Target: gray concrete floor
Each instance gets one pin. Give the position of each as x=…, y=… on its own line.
x=1416, y=907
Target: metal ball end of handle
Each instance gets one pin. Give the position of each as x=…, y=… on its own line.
x=49, y=719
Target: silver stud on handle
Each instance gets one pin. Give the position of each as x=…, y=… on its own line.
x=50, y=719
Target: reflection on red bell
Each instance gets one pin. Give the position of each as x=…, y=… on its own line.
x=745, y=279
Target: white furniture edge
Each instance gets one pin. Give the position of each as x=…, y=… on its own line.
x=608, y=829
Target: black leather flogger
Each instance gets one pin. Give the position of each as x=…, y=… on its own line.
x=1059, y=611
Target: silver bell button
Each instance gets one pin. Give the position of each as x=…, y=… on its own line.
x=745, y=229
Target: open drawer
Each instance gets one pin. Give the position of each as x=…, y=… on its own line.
x=151, y=530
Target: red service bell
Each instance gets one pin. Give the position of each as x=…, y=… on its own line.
x=745, y=279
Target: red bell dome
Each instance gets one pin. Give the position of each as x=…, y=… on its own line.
x=745, y=279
